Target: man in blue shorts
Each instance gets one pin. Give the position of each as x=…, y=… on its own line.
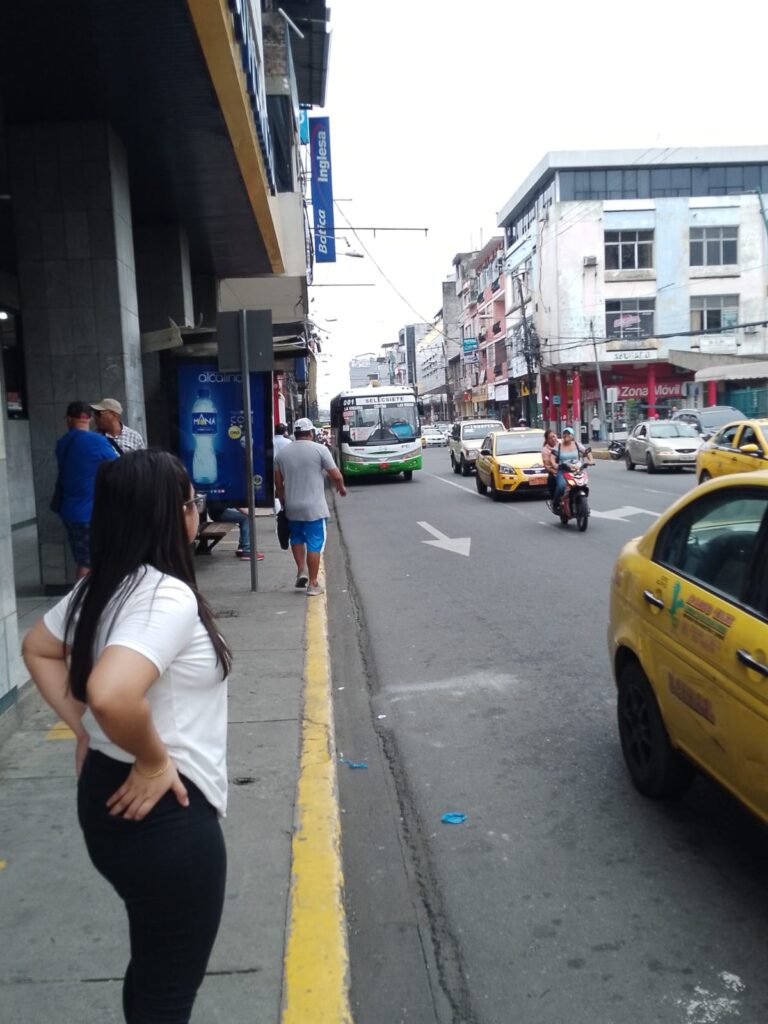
x=300, y=471
x=79, y=453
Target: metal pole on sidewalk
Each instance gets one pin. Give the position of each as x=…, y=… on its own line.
x=246, y=376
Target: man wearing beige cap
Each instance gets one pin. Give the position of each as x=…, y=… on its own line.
x=108, y=414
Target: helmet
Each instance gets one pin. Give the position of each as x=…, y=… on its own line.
x=569, y=430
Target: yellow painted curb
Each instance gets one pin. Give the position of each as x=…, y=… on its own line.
x=316, y=966
x=60, y=731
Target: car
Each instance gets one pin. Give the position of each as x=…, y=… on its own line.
x=465, y=440
x=510, y=462
x=688, y=636
x=662, y=444
x=431, y=437
x=740, y=447
x=709, y=419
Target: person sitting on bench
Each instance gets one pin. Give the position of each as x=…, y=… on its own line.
x=221, y=512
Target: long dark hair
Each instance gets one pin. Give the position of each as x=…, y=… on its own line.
x=138, y=520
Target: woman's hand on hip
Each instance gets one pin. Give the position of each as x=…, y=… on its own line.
x=139, y=794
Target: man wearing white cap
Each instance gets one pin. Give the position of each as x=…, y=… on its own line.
x=300, y=471
x=109, y=422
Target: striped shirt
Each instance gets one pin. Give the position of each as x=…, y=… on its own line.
x=128, y=440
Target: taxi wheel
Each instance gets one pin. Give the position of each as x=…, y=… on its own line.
x=496, y=494
x=481, y=487
x=704, y=476
x=656, y=769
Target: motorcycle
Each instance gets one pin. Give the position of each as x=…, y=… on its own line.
x=575, y=501
x=616, y=449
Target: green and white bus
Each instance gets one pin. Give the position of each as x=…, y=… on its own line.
x=376, y=430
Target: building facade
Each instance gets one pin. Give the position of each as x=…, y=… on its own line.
x=649, y=265
x=363, y=370
x=150, y=177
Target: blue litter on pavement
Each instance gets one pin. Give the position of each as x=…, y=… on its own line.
x=453, y=818
x=353, y=764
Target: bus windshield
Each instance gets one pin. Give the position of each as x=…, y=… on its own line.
x=380, y=423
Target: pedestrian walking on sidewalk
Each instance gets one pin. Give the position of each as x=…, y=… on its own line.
x=300, y=471
x=133, y=662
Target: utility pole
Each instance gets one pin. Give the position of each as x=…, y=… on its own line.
x=531, y=405
x=600, y=392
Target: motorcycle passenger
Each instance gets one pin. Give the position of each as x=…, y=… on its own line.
x=549, y=460
x=568, y=453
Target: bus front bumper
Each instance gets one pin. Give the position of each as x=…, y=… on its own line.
x=382, y=467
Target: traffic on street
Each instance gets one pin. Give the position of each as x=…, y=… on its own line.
x=472, y=675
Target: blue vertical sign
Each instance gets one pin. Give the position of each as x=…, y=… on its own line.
x=322, y=190
x=211, y=432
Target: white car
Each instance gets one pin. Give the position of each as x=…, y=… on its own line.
x=465, y=441
x=662, y=444
x=431, y=437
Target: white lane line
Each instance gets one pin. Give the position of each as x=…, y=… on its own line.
x=452, y=483
x=475, y=493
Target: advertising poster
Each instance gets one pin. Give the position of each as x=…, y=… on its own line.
x=211, y=433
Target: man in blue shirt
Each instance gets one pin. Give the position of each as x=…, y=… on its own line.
x=79, y=453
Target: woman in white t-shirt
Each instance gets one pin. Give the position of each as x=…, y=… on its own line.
x=132, y=661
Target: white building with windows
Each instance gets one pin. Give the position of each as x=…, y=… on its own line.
x=654, y=263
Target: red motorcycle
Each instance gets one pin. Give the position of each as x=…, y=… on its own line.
x=575, y=501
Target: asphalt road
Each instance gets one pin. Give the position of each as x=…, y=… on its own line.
x=480, y=684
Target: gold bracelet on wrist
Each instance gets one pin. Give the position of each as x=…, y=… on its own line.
x=152, y=775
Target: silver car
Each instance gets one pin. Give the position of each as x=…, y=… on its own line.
x=662, y=444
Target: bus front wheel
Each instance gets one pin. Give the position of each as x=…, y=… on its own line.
x=407, y=474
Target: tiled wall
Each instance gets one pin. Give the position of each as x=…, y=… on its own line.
x=19, y=453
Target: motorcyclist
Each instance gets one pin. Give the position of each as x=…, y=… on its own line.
x=550, y=462
x=568, y=453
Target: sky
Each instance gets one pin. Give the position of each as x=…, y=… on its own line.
x=439, y=109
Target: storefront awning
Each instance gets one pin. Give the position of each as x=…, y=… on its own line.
x=734, y=371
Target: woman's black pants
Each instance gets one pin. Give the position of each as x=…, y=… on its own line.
x=169, y=869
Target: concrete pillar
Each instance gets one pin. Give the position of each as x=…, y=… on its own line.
x=563, y=401
x=576, y=397
x=651, y=385
x=11, y=667
x=164, y=285
x=77, y=283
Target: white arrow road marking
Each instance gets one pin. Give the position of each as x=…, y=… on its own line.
x=619, y=514
x=459, y=545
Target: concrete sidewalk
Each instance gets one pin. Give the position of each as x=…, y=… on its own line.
x=282, y=943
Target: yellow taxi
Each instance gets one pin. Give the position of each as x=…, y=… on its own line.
x=510, y=461
x=740, y=447
x=688, y=641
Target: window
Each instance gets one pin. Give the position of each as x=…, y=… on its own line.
x=629, y=318
x=714, y=312
x=726, y=438
x=713, y=541
x=628, y=250
x=749, y=436
x=714, y=247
